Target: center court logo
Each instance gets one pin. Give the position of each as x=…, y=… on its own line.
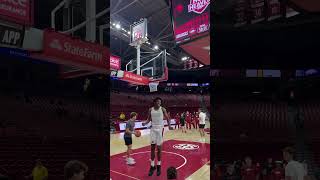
x=186, y=146
x=198, y=6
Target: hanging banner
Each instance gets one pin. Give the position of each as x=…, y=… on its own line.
x=18, y=11
x=115, y=62
x=68, y=49
x=133, y=78
x=257, y=11
x=240, y=16
x=273, y=10
x=191, y=19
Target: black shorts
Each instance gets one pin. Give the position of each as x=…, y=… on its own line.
x=128, y=141
x=182, y=122
x=201, y=126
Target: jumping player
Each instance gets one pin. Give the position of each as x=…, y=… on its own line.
x=128, y=137
x=156, y=116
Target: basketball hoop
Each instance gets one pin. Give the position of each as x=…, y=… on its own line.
x=153, y=86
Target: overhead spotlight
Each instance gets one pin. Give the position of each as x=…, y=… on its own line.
x=118, y=26
x=129, y=32
x=114, y=24
x=184, y=58
x=156, y=47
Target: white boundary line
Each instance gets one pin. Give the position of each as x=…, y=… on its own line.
x=184, y=163
x=124, y=175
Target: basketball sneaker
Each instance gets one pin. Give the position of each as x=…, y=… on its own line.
x=158, y=170
x=152, y=168
x=130, y=161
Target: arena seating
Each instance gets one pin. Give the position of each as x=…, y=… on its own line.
x=33, y=129
x=140, y=103
x=255, y=119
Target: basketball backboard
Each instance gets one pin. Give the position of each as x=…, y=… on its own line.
x=139, y=32
x=153, y=66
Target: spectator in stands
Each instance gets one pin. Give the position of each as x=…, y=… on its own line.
x=278, y=172
x=39, y=172
x=171, y=173
x=75, y=170
x=231, y=173
x=249, y=171
x=293, y=170
x=267, y=168
x=217, y=174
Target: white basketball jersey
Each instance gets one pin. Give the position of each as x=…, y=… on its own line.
x=157, y=118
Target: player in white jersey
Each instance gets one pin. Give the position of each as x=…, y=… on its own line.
x=156, y=116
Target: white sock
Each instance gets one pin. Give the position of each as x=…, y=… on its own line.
x=159, y=163
x=152, y=163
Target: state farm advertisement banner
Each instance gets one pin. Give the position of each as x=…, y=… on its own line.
x=115, y=62
x=134, y=78
x=61, y=46
x=18, y=11
x=191, y=19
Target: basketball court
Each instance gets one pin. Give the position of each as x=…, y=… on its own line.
x=187, y=152
x=147, y=48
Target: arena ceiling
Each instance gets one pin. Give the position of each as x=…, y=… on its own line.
x=160, y=31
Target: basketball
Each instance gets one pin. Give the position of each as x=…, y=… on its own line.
x=137, y=133
x=122, y=116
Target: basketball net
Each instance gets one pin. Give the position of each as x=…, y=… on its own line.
x=153, y=86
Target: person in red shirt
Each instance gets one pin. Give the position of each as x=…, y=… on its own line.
x=278, y=172
x=197, y=120
x=188, y=120
x=249, y=171
x=177, y=118
x=193, y=120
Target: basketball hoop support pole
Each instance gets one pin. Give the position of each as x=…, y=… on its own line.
x=138, y=59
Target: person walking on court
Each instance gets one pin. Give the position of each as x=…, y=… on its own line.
x=202, y=122
x=128, y=137
x=183, y=122
x=156, y=115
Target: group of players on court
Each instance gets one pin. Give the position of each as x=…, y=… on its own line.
x=156, y=115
